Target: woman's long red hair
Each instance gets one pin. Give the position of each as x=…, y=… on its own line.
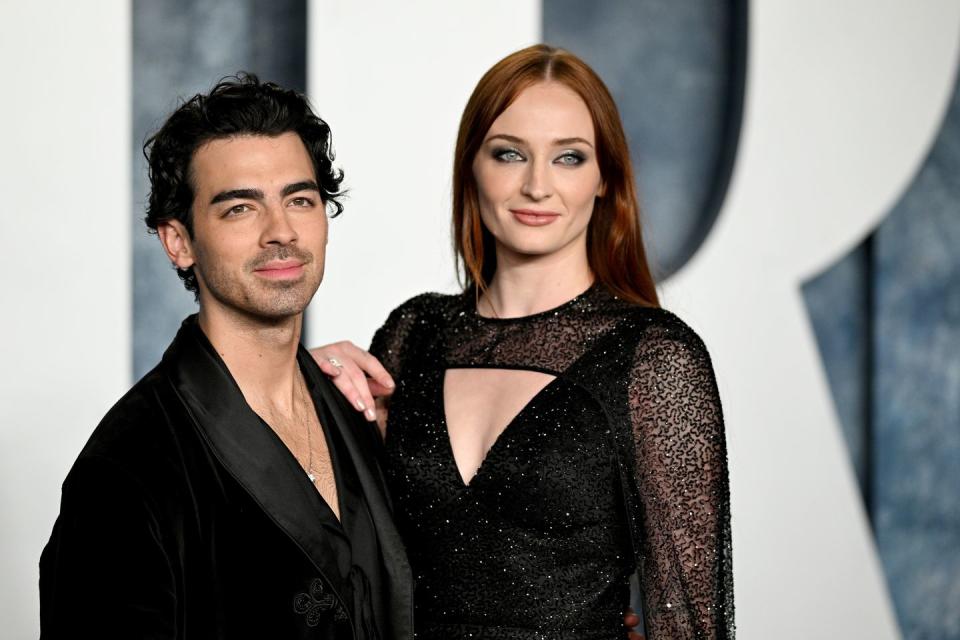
x=614, y=241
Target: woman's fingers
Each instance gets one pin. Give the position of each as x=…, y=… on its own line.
x=358, y=396
x=332, y=358
x=325, y=365
x=630, y=621
x=363, y=399
x=378, y=390
x=348, y=366
x=337, y=361
x=371, y=367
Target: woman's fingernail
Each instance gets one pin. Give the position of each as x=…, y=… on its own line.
x=361, y=406
x=370, y=415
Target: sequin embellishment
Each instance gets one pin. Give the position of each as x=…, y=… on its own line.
x=619, y=464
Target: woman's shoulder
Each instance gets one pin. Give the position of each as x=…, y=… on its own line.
x=424, y=310
x=424, y=305
x=654, y=328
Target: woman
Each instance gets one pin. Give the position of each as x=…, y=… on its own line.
x=552, y=429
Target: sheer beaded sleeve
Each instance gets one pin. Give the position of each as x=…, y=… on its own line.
x=681, y=471
x=392, y=341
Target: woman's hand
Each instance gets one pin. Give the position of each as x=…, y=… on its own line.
x=630, y=621
x=358, y=375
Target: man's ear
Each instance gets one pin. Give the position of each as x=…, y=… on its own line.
x=176, y=242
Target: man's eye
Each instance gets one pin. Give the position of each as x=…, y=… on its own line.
x=237, y=209
x=570, y=159
x=302, y=202
x=507, y=155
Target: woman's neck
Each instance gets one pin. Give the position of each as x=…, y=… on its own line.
x=522, y=286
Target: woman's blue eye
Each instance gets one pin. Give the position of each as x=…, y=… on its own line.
x=507, y=155
x=570, y=158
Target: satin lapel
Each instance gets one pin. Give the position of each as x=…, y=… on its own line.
x=246, y=447
x=355, y=431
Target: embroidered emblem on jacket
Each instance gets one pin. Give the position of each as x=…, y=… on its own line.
x=315, y=602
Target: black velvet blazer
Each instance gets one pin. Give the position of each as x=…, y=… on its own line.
x=186, y=517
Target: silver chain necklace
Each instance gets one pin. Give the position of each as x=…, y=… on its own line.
x=302, y=387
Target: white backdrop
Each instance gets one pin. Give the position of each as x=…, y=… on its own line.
x=65, y=180
x=843, y=100
x=392, y=78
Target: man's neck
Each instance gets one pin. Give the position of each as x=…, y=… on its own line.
x=261, y=355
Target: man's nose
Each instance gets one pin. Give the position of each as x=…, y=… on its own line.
x=277, y=229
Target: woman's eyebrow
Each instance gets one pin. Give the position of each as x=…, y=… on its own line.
x=560, y=142
x=508, y=138
x=565, y=141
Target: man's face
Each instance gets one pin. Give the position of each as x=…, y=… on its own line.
x=259, y=226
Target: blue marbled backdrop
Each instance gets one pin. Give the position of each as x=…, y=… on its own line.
x=676, y=70
x=180, y=48
x=888, y=321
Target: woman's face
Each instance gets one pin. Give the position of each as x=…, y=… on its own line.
x=537, y=173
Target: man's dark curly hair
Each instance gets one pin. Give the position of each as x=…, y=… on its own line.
x=238, y=105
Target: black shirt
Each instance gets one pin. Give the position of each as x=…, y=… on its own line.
x=185, y=516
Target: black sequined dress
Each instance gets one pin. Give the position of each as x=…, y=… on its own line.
x=617, y=465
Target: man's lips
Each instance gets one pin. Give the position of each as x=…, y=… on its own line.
x=534, y=217
x=280, y=270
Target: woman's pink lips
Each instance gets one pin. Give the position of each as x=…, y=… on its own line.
x=533, y=218
x=280, y=272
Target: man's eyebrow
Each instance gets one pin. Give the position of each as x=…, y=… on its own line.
x=237, y=194
x=257, y=194
x=304, y=185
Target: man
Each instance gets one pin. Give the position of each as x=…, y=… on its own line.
x=232, y=492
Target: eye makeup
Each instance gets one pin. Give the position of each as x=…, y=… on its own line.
x=571, y=158
x=506, y=154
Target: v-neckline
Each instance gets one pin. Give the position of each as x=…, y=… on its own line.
x=317, y=404
x=336, y=463
x=507, y=430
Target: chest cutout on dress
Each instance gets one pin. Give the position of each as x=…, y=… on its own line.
x=479, y=405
